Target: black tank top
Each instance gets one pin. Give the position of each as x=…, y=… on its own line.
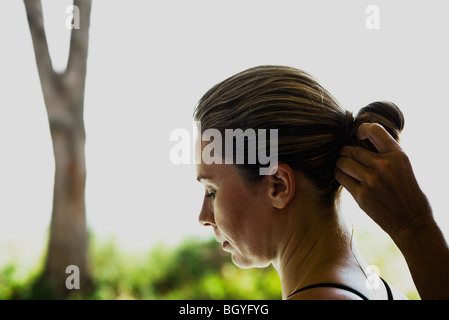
x=342, y=286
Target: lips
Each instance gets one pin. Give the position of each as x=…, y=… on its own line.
x=224, y=243
x=221, y=239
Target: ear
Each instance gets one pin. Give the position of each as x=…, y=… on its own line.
x=281, y=185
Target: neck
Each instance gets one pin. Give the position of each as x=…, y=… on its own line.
x=315, y=245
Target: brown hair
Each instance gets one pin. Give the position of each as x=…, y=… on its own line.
x=312, y=126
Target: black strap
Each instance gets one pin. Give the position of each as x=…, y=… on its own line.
x=333, y=285
x=342, y=286
x=390, y=294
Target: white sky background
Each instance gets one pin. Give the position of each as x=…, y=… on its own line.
x=151, y=61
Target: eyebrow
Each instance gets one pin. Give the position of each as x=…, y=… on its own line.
x=201, y=177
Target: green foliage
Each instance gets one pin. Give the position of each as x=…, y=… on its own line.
x=8, y=281
x=16, y=282
x=196, y=269
x=203, y=271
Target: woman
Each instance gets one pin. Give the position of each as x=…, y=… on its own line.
x=289, y=218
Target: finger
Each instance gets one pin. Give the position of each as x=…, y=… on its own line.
x=378, y=136
x=347, y=181
x=359, y=154
x=352, y=168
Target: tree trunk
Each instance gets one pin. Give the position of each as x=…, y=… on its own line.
x=64, y=101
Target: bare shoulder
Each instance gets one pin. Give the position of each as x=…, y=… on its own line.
x=331, y=293
x=325, y=293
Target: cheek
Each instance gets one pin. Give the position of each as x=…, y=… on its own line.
x=232, y=210
x=239, y=214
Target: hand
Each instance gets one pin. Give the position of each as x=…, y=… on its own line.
x=383, y=183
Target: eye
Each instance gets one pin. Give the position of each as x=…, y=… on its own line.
x=211, y=194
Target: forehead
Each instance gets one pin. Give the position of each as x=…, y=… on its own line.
x=212, y=172
x=208, y=172
x=204, y=170
x=217, y=174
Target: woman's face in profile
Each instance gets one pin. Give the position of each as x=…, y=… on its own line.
x=239, y=214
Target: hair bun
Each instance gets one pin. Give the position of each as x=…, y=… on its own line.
x=386, y=114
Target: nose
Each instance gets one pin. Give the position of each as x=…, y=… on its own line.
x=206, y=217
